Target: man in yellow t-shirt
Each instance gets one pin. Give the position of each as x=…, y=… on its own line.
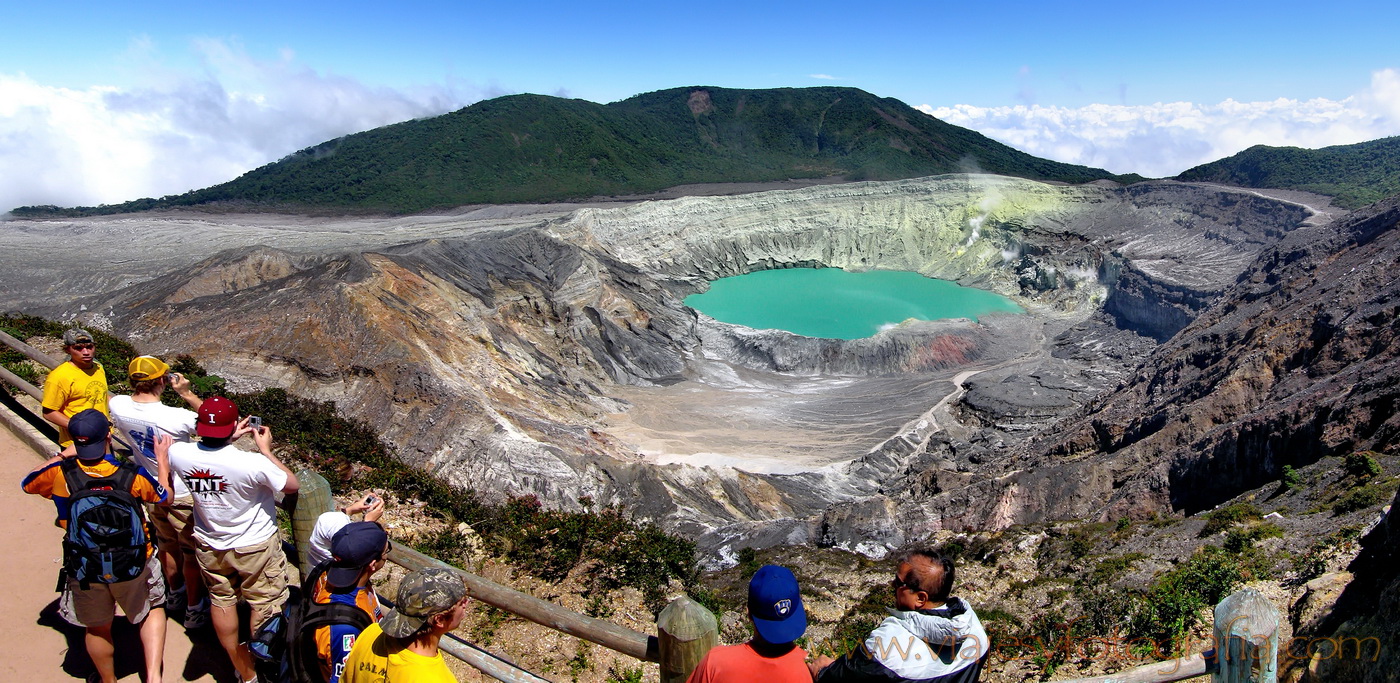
x=76, y=385
x=404, y=646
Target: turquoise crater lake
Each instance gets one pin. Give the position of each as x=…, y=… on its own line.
x=835, y=304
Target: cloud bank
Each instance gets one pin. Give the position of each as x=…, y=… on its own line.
x=186, y=131
x=1162, y=140
x=189, y=130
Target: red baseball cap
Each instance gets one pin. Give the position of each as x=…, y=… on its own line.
x=217, y=418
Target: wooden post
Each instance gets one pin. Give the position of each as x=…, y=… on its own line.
x=1246, y=639
x=685, y=630
x=313, y=498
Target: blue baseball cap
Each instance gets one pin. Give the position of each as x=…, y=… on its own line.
x=89, y=429
x=775, y=605
x=353, y=547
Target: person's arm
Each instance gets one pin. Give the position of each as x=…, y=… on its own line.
x=262, y=436
x=181, y=385
x=52, y=402
x=162, y=450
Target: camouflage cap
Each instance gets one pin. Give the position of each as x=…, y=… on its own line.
x=422, y=594
x=76, y=335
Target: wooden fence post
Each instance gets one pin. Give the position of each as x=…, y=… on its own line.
x=313, y=498
x=685, y=631
x=1246, y=639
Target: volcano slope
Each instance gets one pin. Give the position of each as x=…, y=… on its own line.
x=502, y=356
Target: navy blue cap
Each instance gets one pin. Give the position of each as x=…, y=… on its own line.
x=775, y=605
x=353, y=547
x=89, y=429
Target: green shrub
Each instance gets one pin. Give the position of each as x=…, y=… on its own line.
x=1171, y=606
x=748, y=562
x=1313, y=563
x=1367, y=496
x=1292, y=479
x=1111, y=569
x=1362, y=465
x=1240, y=539
x=618, y=673
x=581, y=661
x=1067, y=549
x=23, y=369
x=1226, y=517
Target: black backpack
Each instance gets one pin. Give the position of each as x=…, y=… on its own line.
x=108, y=536
x=286, y=642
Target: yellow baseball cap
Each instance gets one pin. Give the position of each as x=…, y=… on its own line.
x=146, y=367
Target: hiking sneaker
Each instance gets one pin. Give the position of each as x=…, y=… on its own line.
x=175, y=605
x=197, y=616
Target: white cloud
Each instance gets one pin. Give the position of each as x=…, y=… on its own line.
x=185, y=131
x=1162, y=140
x=824, y=77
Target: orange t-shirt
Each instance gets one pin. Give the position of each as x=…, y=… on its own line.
x=49, y=483
x=743, y=663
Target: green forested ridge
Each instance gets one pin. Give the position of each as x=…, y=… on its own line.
x=532, y=148
x=1353, y=175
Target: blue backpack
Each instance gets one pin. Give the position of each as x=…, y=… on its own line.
x=107, y=538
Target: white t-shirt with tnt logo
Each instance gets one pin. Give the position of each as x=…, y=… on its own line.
x=234, y=493
x=138, y=424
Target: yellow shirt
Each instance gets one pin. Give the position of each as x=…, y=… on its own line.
x=377, y=658
x=409, y=667
x=70, y=390
x=368, y=661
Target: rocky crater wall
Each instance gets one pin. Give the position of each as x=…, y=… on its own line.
x=487, y=356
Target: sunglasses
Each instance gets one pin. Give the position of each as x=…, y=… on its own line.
x=896, y=582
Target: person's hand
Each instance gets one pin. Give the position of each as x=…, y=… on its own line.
x=817, y=664
x=242, y=428
x=262, y=436
x=375, y=509
x=69, y=451
x=179, y=383
x=161, y=447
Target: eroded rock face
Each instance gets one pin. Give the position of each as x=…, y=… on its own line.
x=1296, y=361
x=493, y=356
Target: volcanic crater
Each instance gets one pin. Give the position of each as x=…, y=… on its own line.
x=545, y=349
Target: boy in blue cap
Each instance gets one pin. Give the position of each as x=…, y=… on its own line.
x=87, y=468
x=771, y=656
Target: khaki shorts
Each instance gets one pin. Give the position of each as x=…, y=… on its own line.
x=255, y=573
x=174, y=525
x=97, y=605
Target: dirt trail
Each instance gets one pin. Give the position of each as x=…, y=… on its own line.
x=44, y=647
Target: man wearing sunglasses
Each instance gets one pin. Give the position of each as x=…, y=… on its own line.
x=929, y=636
x=75, y=385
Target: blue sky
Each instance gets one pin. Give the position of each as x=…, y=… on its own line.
x=104, y=102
